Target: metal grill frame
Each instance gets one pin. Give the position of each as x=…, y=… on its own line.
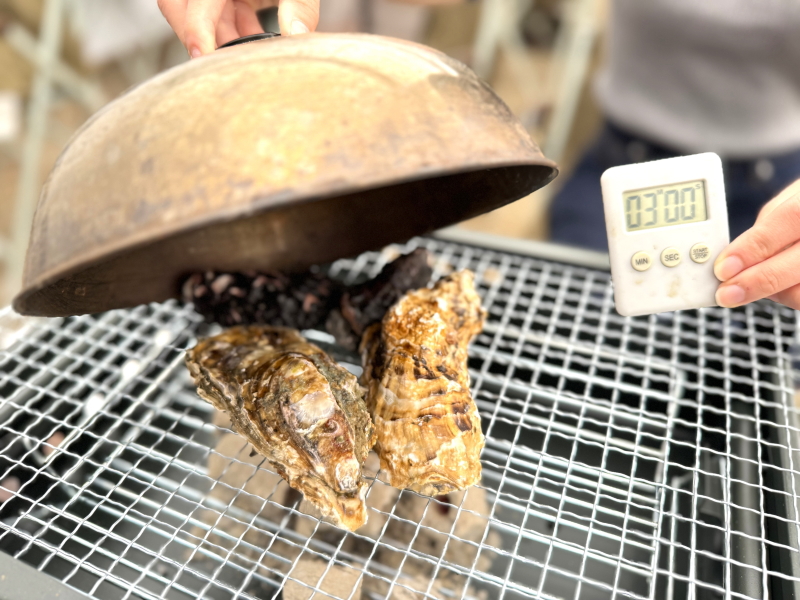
x=608, y=441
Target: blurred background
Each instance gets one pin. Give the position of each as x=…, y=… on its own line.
x=62, y=60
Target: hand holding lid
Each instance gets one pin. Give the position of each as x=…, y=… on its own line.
x=203, y=25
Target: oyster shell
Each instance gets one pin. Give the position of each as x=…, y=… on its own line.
x=297, y=407
x=415, y=370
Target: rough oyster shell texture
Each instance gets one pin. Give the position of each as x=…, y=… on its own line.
x=428, y=430
x=297, y=407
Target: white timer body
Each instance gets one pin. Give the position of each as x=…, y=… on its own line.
x=667, y=221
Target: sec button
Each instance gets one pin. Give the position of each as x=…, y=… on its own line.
x=670, y=257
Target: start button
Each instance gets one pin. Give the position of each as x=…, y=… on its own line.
x=700, y=253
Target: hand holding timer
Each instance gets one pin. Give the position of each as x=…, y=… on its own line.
x=666, y=222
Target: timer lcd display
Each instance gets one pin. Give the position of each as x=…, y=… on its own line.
x=665, y=205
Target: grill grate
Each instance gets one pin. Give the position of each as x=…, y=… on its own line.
x=626, y=458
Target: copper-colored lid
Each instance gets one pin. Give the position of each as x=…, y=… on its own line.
x=276, y=154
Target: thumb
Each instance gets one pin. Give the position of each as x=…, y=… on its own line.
x=298, y=16
x=787, y=193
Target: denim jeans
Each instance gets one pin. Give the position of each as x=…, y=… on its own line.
x=576, y=214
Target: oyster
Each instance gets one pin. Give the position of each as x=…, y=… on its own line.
x=428, y=430
x=297, y=407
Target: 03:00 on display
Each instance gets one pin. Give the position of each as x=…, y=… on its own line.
x=665, y=205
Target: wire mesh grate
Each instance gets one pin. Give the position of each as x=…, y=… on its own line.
x=653, y=457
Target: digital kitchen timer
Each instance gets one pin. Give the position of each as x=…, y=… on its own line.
x=666, y=221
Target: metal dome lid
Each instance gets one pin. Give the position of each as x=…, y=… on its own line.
x=273, y=154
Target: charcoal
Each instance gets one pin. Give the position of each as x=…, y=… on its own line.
x=309, y=300
x=299, y=301
x=364, y=304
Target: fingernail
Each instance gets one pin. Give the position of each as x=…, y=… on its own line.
x=730, y=296
x=728, y=267
x=298, y=27
x=195, y=52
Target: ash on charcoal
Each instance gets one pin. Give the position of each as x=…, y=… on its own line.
x=381, y=498
x=336, y=581
x=242, y=483
x=418, y=587
x=443, y=528
x=310, y=523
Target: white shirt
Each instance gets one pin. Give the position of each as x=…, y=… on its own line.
x=698, y=75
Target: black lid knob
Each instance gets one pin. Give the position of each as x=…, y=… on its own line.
x=249, y=38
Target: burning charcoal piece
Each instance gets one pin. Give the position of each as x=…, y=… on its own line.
x=365, y=304
x=297, y=407
x=305, y=301
x=301, y=301
x=415, y=370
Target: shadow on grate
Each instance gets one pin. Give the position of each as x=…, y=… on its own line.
x=635, y=458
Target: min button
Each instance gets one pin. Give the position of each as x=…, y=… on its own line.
x=670, y=257
x=700, y=253
x=641, y=261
